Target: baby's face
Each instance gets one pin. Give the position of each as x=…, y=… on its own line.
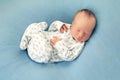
x=82, y=27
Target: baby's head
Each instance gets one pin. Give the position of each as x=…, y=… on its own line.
x=82, y=25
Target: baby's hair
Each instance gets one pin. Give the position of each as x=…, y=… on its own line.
x=88, y=12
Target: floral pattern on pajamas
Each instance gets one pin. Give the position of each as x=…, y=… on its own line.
x=37, y=43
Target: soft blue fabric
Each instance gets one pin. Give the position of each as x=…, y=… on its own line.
x=100, y=59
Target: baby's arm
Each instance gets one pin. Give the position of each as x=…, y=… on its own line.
x=68, y=54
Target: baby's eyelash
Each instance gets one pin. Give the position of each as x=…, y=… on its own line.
x=86, y=33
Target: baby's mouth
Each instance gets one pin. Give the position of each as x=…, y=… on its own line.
x=77, y=39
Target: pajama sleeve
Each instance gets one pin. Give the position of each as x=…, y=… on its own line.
x=66, y=53
x=56, y=25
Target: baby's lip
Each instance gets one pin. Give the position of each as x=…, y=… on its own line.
x=79, y=39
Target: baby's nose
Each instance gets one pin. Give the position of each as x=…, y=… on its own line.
x=80, y=35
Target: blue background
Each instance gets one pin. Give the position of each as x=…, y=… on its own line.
x=100, y=59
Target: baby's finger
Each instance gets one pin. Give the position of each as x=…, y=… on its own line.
x=65, y=28
x=59, y=39
x=55, y=37
x=51, y=42
x=61, y=29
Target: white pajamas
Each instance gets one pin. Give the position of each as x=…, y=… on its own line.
x=37, y=42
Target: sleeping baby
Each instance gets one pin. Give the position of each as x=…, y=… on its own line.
x=62, y=42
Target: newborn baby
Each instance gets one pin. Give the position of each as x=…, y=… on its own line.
x=62, y=42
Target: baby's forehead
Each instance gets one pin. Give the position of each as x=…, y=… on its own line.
x=81, y=14
x=85, y=14
x=83, y=18
x=84, y=23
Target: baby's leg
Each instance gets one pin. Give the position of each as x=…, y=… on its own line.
x=31, y=29
x=39, y=49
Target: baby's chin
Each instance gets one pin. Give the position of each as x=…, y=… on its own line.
x=80, y=40
x=77, y=40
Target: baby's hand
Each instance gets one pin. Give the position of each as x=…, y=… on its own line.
x=55, y=40
x=63, y=28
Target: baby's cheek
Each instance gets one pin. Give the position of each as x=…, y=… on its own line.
x=76, y=34
x=85, y=38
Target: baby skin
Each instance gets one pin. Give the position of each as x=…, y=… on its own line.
x=62, y=42
x=81, y=28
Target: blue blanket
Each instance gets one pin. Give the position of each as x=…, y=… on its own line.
x=100, y=59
